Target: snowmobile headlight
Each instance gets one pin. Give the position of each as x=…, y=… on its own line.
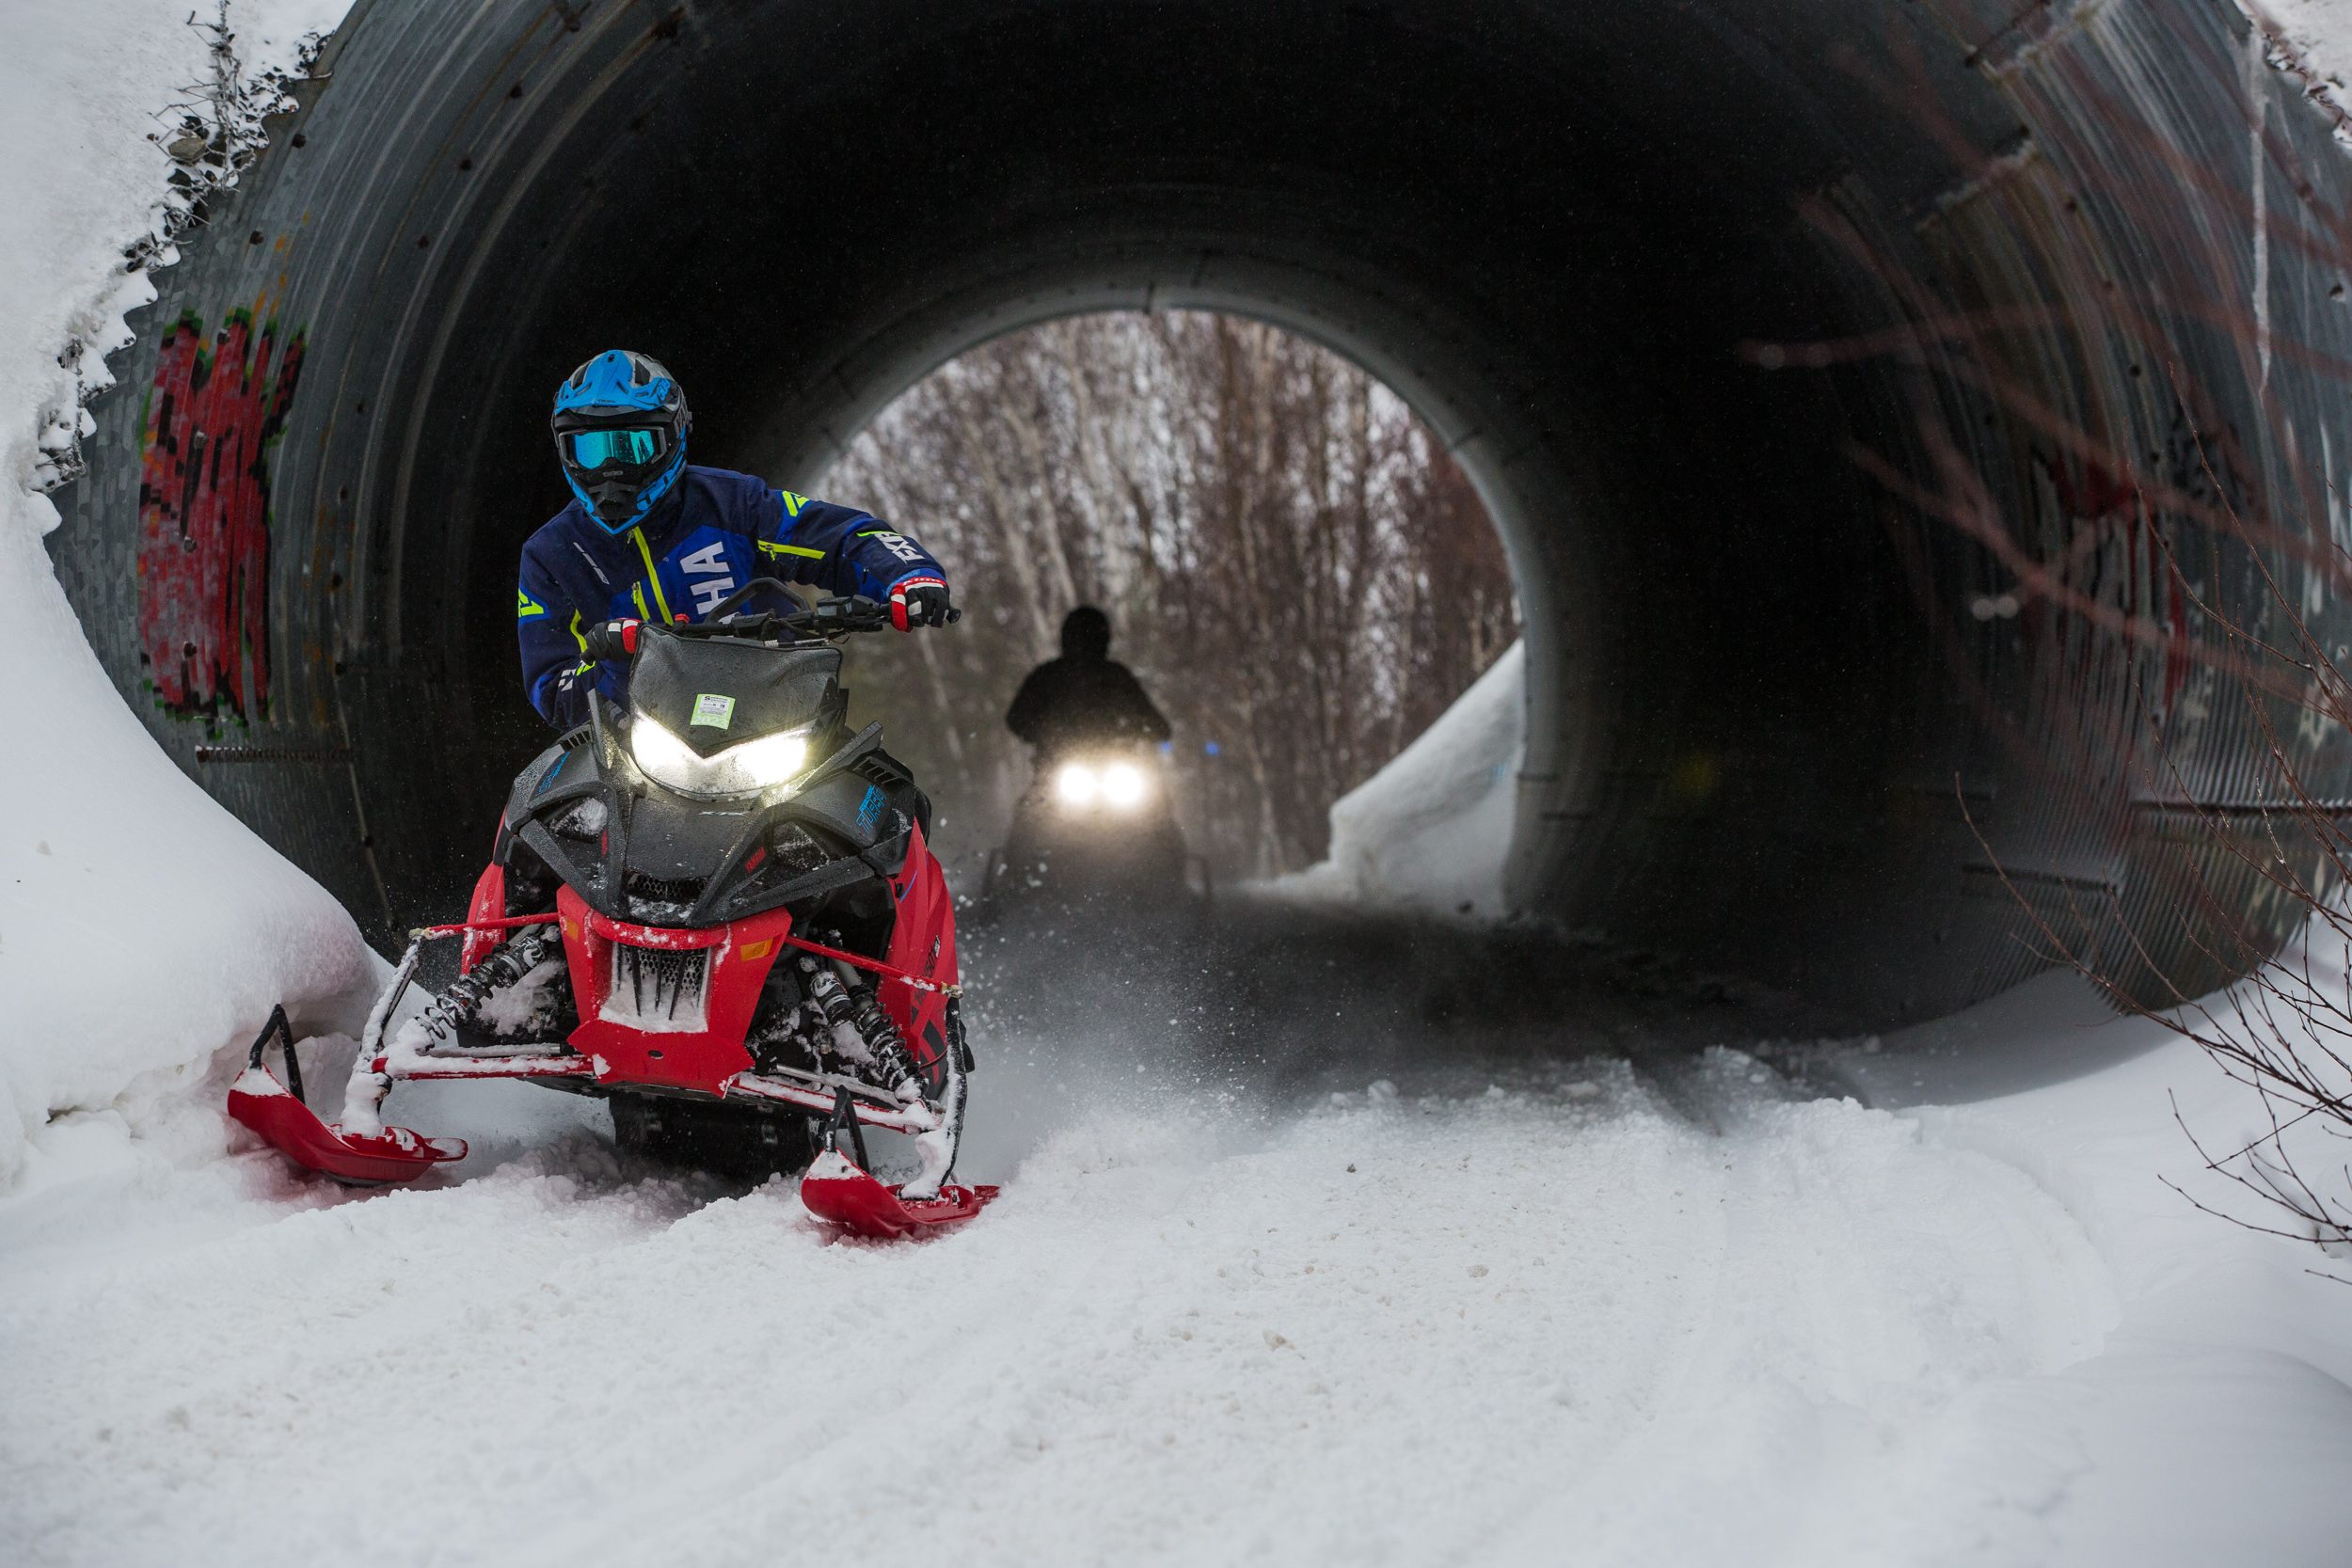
x=1118, y=784
x=1123, y=783
x=755, y=765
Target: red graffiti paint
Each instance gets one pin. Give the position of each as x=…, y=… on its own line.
x=203, y=558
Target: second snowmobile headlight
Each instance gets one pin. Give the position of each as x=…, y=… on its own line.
x=773, y=759
x=1118, y=784
x=1123, y=783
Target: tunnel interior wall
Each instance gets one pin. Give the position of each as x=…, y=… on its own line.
x=1767, y=728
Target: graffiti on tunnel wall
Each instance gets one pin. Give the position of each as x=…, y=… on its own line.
x=215, y=411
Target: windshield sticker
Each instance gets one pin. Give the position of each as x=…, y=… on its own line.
x=714, y=710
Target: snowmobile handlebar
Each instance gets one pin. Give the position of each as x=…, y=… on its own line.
x=826, y=618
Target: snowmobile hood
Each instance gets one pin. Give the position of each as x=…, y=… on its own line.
x=713, y=695
x=669, y=860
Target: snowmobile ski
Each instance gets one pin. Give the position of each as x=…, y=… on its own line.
x=277, y=1112
x=837, y=1191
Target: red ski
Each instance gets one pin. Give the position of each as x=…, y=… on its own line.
x=838, y=1191
x=278, y=1113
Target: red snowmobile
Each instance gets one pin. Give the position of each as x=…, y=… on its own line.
x=717, y=912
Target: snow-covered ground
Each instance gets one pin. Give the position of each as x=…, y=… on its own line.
x=1536, y=1307
x=1560, y=1313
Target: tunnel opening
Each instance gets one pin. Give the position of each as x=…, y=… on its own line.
x=1298, y=575
x=1763, y=725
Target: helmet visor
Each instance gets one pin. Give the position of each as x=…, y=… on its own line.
x=594, y=448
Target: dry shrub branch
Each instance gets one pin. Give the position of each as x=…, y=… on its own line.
x=2167, y=553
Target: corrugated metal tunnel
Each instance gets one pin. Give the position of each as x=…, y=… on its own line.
x=1772, y=682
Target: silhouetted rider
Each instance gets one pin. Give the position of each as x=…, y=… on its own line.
x=1083, y=698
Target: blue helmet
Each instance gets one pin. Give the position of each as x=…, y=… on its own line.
x=620, y=425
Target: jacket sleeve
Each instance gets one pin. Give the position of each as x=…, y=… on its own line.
x=556, y=673
x=840, y=548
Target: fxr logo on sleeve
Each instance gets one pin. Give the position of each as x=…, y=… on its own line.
x=897, y=545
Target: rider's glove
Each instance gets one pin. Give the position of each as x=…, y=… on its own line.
x=614, y=640
x=919, y=600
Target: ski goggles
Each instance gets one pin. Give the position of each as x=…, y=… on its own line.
x=594, y=448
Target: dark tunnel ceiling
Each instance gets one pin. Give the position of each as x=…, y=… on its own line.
x=1756, y=704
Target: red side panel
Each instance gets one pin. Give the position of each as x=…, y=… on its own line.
x=489, y=903
x=922, y=943
x=649, y=1034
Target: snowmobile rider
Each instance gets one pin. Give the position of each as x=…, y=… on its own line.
x=1084, y=698
x=648, y=536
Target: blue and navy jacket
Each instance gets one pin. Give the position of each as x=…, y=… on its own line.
x=714, y=533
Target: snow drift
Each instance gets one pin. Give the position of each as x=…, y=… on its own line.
x=1431, y=830
x=142, y=927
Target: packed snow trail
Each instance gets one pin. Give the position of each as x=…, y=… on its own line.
x=1185, y=1334
x=1587, y=1294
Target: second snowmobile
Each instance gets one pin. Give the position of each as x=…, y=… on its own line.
x=1095, y=821
x=717, y=910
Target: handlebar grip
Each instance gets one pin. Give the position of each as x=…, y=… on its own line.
x=827, y=618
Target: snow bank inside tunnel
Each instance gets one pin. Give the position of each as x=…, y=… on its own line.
x=1431, y=830
x=142, y=927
